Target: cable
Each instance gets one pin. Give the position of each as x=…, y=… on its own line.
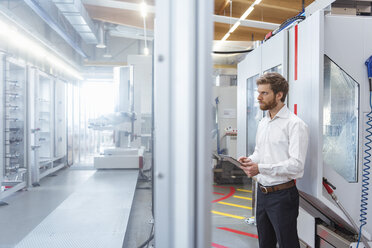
x=232, y=52
x=149, y=239
x=366, y=173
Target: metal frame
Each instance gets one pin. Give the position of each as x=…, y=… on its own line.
x=6, y=61
x=2, y=129
x=183, y=123
x=34, y=108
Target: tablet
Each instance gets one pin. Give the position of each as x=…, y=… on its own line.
x=231, y=160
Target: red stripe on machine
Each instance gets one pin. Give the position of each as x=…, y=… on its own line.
x=216, y=193
x=218, y=246
x=238, y=232
x=295, y=109
x=296, y=52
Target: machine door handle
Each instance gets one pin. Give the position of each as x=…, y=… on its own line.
x=35, y=130
x=35, y=147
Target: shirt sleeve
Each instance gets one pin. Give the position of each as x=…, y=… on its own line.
x=297, y=149
x=255, y=157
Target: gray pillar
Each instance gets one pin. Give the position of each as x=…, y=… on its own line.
x=183, y=85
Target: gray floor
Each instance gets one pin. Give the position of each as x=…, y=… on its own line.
x=235, y=233
x=28, y=209
x=95, y=215
x=71, y=209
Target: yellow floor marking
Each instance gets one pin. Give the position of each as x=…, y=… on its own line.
x=244, y=190
x=234, y=205
x=241, y=197
x=228, y=215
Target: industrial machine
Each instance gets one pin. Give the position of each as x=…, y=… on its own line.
x=124, y=155
x=323, y=57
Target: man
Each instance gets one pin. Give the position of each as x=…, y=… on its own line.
x=278, y=159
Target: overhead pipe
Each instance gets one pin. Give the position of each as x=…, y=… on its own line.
x=48, y=20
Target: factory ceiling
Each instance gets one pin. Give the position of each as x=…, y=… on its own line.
x=126, y=13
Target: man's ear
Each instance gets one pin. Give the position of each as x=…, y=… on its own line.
x=279, y=96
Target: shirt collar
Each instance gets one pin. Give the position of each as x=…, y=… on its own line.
x=283, y=113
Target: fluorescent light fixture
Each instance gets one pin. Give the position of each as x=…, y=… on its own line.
x=18, y=40
x=101, y=45
x=146, y=51
x=236, y=25
x=256, y=2
x=226, y=36
x=144, y=9
x=247, y=12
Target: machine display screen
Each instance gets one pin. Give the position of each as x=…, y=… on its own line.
x=340, y=121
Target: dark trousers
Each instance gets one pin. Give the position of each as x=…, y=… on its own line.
x=276, y=218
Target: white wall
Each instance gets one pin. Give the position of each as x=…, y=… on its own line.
x=226, y=109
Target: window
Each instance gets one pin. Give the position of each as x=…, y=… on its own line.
x=340, y=121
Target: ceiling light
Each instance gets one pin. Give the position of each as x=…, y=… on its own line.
x=143, y=9
x=146, y=51
x=246, y=13
x=256, y=2
x=18, y=40
x=226, y=36
x=101, y=45
x=236, y=25
x=107, y=55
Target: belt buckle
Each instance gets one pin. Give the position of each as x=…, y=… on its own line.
x=264, y=189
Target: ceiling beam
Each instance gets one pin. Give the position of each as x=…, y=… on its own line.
x=222, y=7
x=278, y=7
x=119, y=5
x=268, y=5
x=246, y=23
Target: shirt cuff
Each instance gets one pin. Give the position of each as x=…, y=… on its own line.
x=264, y=168
x=253, y=158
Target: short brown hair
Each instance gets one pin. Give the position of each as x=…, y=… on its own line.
x=277, y=83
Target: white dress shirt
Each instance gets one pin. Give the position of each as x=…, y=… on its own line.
x=281, y=146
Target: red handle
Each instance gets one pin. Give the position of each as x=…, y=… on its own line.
x=328, y=188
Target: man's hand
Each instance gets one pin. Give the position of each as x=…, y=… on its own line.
x=251, y=169
x=244, y=161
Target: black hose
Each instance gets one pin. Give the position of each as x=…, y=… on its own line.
x=232, y=52
x=149, y=239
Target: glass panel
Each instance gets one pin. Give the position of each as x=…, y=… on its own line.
x=254, y=114
x=96, y=103
x=14, y=169
x=340, y=121
x=277, y=69
x=237, y=212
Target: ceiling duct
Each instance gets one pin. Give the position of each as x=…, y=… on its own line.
x=75, y=12
x=101, y=36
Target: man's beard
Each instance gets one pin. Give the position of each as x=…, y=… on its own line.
x=270, y=105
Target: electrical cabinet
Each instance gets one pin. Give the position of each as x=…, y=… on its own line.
x=14, y=169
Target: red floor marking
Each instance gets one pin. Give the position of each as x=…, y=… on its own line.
x=222, y=187
x=218, y=193
x=238, y=232
x=232, y=191
x=218, y=246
